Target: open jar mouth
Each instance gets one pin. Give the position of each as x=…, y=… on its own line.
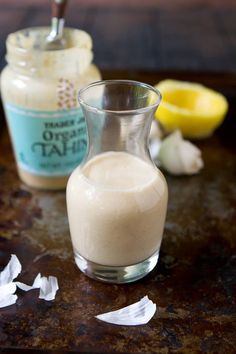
x=119, y=97
x=26, y=52
x=32, y=39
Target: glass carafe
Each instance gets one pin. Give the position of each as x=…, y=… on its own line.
x=117, y=198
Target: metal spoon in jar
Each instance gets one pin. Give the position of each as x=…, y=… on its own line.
x=55, y=40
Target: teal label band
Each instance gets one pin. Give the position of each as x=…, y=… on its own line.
x=49, y=143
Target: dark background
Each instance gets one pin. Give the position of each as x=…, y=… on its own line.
x=194, y=283
x=193, y=35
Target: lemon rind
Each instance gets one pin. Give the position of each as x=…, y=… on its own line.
x=202, y=124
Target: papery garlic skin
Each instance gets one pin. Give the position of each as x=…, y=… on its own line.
x=8, y=300
x=7, y=286
x=139, y=313
x=48, y=286
x=11, y=271
x=178, y=156
x=36, y=284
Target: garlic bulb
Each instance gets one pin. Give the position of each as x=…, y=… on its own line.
x=179, y=156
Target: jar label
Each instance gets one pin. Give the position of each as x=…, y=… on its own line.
x=47, y=142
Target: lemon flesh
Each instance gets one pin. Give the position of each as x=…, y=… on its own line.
x=193, y=108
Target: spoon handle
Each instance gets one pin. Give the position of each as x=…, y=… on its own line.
x=58, y=8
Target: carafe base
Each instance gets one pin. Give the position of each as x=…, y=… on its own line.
x=116, y=274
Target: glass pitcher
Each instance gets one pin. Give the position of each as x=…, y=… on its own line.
x=117, y=198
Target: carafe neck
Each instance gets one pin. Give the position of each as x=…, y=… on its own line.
x=119, y=132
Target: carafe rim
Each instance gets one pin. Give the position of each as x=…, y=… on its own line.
x=134, y=111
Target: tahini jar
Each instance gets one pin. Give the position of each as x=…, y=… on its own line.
x=39, y=92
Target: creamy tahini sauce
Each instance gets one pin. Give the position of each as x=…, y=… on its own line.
x=116, y=208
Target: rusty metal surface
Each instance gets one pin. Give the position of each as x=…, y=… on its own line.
x=194, y=284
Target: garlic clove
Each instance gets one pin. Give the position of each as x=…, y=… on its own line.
x=178, y=156
x=191, y=157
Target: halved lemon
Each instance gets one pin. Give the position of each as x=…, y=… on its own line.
x=193, y=108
